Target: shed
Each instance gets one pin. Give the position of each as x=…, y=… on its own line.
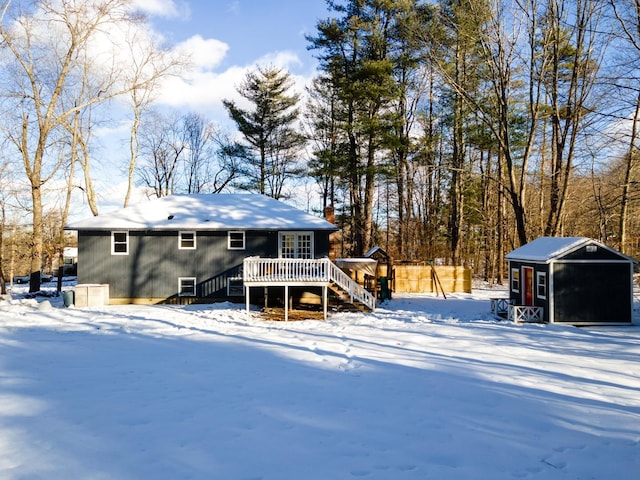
x=385, y=274
x=573, y=280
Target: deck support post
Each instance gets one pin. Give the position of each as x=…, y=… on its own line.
x=286, y=303
x=246, y=296
x=324, y=301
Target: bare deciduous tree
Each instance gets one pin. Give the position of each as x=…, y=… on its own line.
x=162, y=147
x=627, y=12
x=150, y=63
x=49, y=48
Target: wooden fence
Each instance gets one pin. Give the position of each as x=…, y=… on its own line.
x=420, y=279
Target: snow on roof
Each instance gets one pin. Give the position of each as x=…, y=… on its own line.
x=543, y=249
x=206, y=212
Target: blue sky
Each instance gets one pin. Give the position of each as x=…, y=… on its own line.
x=251, y=28
x=225, y=39
x=228, y=38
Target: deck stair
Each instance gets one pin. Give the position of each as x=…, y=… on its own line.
x=349, y=291
x=345, y=302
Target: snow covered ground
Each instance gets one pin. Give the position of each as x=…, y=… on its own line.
x=424, y=388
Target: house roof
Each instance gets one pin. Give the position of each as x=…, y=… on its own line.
x=217, y=211
x=547, y=249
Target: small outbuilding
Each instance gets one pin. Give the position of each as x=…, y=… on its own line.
x=572, y=280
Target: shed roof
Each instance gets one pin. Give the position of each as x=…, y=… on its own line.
x=377, y=252
x=547, y=249
x=217, y=211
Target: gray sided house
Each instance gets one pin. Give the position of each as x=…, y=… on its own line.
x=575, y=280
x=185, y=248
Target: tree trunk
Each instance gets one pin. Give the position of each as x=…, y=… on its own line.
x=3, y=224
x=629, y=167
x=134, y=148
x=36, y=239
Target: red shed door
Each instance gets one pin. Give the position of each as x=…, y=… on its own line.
x=527, y=285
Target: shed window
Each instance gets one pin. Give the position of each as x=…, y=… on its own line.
x=119, y=243
x=187, y=286
x=541, y=284
x=515, y=280
x=235, y=241
x=296, y=244
x=187, y=241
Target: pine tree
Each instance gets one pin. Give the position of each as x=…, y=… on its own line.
x=354, y=53
x=272, y=144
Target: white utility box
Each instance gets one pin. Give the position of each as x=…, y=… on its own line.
x=91, y=295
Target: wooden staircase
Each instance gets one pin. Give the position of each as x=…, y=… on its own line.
x=349, y=291
x=345, y=302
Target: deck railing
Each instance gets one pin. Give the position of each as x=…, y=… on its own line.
x=285, y=270
x=290, y=271
x=352, y=288
x=500, y=306
x=525, y=313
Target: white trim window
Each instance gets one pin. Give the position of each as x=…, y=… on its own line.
x=541, y=284
x=186, y=240
x=120, y=243
x=515, y=280
x=295, y=244
x=235, y=241
x=187, y=286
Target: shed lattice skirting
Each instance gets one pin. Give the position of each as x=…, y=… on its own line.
x=525, y=313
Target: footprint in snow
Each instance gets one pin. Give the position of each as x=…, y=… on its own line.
x=350, y=368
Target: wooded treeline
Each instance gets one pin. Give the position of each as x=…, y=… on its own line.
x=450, y=129
x=461, y=129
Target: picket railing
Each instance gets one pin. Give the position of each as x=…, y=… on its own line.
x=354, y=290
x=284, y=270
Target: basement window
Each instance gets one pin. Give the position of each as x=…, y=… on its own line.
x=187, y=286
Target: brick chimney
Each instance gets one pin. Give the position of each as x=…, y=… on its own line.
x=329, y=214
x=335, y=238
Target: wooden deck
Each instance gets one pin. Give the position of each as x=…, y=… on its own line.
x=289, y=272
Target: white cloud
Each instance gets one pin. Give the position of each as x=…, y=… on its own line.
x=162, y=8
x=284, y=59
x=203, y=53
x=202, y=89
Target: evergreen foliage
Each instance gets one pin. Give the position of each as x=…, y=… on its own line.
x=272, y=144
